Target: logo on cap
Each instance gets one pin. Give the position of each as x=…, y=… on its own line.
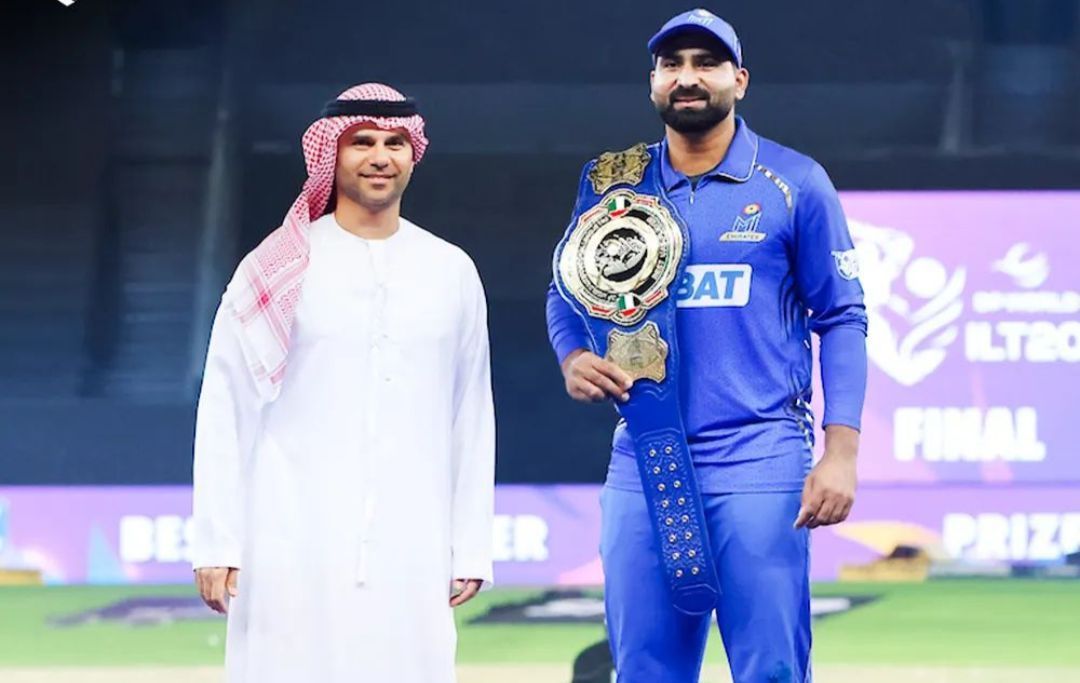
x=702, y=16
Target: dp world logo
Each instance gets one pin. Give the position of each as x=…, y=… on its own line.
x=1027, y=270
x=913, y=303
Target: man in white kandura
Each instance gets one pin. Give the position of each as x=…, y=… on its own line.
x=343, y=501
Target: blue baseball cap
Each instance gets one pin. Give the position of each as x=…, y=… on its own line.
x=699, y=20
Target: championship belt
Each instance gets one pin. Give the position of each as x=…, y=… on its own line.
x=624, y=248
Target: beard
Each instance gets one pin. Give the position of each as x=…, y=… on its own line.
x=348, y=187
x=690, y=121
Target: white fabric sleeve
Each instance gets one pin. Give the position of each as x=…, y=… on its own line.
x=225, y=423
x=473, y=447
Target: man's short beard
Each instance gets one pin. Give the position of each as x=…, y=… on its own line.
x=690, y=121
x=359, y=198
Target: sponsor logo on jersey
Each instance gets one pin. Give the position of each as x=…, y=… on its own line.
x=745, y=226
x=714, y=285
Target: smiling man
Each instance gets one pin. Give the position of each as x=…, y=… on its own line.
x=344, y=447
x=710, y=494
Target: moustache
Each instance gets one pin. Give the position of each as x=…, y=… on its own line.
x=688, y=93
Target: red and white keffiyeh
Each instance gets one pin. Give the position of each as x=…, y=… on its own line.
x=263, y=295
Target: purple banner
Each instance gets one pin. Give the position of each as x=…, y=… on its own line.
x=974, y=340
x=543, y=536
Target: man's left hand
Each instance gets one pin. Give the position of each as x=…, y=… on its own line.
x=829, y=490
x=463, y=590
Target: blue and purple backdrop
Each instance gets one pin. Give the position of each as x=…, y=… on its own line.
x=968, y=445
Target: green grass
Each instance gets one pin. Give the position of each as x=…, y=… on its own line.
x=956, y=622
x=499, y=643
x=27, y=640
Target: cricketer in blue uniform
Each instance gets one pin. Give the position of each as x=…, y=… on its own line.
x=770, y=261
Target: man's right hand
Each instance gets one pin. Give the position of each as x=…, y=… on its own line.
x=216, y=585
x=592, y=379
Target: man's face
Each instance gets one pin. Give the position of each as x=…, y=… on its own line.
x=373, y=166
x=695, y=84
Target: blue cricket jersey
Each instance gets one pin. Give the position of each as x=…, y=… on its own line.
x=770, y=260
